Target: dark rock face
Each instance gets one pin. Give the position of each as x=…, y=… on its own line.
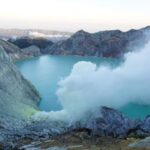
x=140, y=129
x=110, y=123
x=25, y=42
x=146, y=124
x=106, y=44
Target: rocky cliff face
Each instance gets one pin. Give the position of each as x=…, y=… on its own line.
x=25, y=42
x=18, y=98
x=12, y=50
x=106, y=43
x=17, y=53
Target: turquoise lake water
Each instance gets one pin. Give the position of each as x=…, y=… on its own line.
x=46, y=71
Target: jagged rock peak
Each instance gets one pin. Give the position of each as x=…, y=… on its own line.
x=80, y=32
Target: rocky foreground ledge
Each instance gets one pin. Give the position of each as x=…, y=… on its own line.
x=108, y=124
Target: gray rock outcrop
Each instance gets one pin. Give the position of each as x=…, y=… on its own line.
x=110, y=122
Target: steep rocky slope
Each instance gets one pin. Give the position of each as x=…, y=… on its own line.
x=17, y=53
x=17, y=96
x=112, y=43
x=12, y=50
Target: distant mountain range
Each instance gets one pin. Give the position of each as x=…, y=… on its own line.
x=33, y=33
x=113, y=43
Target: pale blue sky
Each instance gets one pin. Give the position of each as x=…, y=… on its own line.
x=72, y=15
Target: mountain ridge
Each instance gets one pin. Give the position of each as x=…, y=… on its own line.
x=111, y=43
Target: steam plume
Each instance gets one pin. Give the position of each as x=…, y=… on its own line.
x=88, y=86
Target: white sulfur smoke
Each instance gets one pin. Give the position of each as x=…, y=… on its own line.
x=88, y=87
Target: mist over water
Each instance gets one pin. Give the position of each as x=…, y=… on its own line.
x=45, y=71
x=88, y=87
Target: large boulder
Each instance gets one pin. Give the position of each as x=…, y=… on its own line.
x=110, y=122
